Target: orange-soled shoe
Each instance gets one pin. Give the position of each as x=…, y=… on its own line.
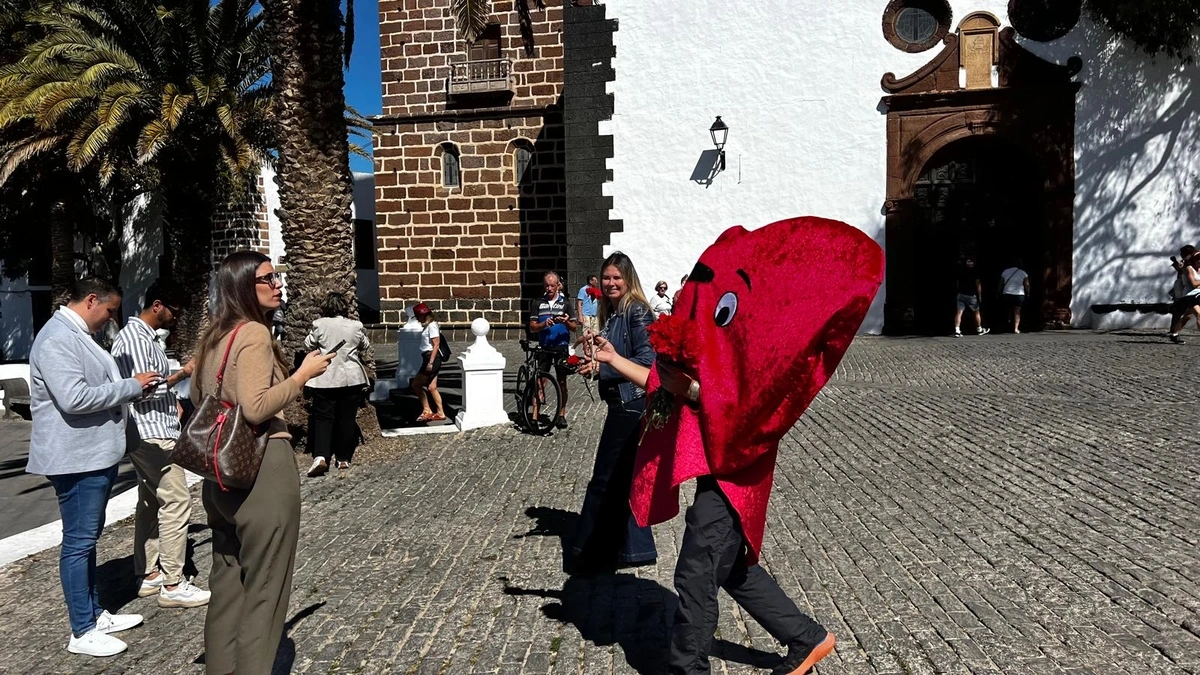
x=800, y=660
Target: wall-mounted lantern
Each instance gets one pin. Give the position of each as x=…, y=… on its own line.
x=719, y=132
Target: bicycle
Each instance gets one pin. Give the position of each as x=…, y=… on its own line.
x=537, y=388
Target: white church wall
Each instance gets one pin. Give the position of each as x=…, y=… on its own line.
x=798, y=84
x=1137, y=173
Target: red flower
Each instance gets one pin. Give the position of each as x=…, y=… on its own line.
x=594, y=293
x=573, y=360
x=670, y=336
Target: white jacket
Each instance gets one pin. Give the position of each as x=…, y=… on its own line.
x=346, y=369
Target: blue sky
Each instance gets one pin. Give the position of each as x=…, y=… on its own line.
x=362, y=79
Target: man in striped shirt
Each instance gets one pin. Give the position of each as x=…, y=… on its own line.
x=164, y=505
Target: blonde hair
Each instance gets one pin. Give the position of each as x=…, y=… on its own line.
x=633, y=286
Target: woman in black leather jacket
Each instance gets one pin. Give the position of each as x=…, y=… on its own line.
x=606, y=536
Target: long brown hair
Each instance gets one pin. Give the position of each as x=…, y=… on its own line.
x=633, y=287
x=234, y=301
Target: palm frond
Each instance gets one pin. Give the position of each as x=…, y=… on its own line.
x=359, y=151
x=152, y=139
x=116, y=101
x=13, y=157
x=174, y=104
x=472, y=17
x=87, y=142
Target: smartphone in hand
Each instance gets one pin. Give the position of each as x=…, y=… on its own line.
x=336, y=347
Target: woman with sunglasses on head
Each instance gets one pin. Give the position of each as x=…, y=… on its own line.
x=254, y=532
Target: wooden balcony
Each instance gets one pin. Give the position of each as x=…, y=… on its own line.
x=479, y=77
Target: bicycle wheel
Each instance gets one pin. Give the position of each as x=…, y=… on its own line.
x=543, y=395
x=519, y=394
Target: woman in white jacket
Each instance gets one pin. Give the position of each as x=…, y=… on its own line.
x=659, y=303
x=336, y=395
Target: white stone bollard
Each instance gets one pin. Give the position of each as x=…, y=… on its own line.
x=483, y=382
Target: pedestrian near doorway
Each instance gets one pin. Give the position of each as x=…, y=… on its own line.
x=164, y=505
x=970, y=289
x=1014, y=289
x=1185, y=294
x=334, y=397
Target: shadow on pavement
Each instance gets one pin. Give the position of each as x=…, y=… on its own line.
x=117, y=584
x=621, y=609
x=285, y=656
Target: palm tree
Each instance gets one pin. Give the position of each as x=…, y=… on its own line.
x=170, y=97
x=315, y=192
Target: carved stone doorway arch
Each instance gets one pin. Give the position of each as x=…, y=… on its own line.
x=982, y=84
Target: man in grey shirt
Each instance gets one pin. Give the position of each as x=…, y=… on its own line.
x=78, y=400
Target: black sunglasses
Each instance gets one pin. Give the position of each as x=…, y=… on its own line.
x=175, y=311
x=272, y=279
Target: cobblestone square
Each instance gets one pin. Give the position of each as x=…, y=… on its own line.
x=1007, y=504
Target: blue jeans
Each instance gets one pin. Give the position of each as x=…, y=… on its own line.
x=82, y=498
x=606, y=533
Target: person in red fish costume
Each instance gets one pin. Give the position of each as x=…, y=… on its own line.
x=764, y=319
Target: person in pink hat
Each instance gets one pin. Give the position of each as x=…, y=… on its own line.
x=434, y=351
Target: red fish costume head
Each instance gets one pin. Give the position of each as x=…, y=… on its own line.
x=769, y=314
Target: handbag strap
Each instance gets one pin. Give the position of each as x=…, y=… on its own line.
x=225, y=359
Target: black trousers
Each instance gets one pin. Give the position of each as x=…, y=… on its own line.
x=332, y=422
x=713, y=556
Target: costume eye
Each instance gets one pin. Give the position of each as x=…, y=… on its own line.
x=726, y=309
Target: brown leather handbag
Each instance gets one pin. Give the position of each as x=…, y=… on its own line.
x=217, y=442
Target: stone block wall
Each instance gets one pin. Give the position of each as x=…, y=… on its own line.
x=243, y=225
x=587, y=70
x=478, y=248
x=419, y=39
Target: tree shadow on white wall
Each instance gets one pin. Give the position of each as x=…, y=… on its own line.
x=1137, y=144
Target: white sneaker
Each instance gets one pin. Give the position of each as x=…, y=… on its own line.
x=319, y=467
x=982, y=331
x=115, y=623
x=184, y=595
x=150, y=587
x=957, y=333
x=95, y=643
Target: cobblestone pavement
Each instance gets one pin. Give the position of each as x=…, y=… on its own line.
x=983, y=505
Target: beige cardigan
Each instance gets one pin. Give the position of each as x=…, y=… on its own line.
x=253, y=378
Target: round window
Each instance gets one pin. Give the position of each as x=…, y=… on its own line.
x=916, y=25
